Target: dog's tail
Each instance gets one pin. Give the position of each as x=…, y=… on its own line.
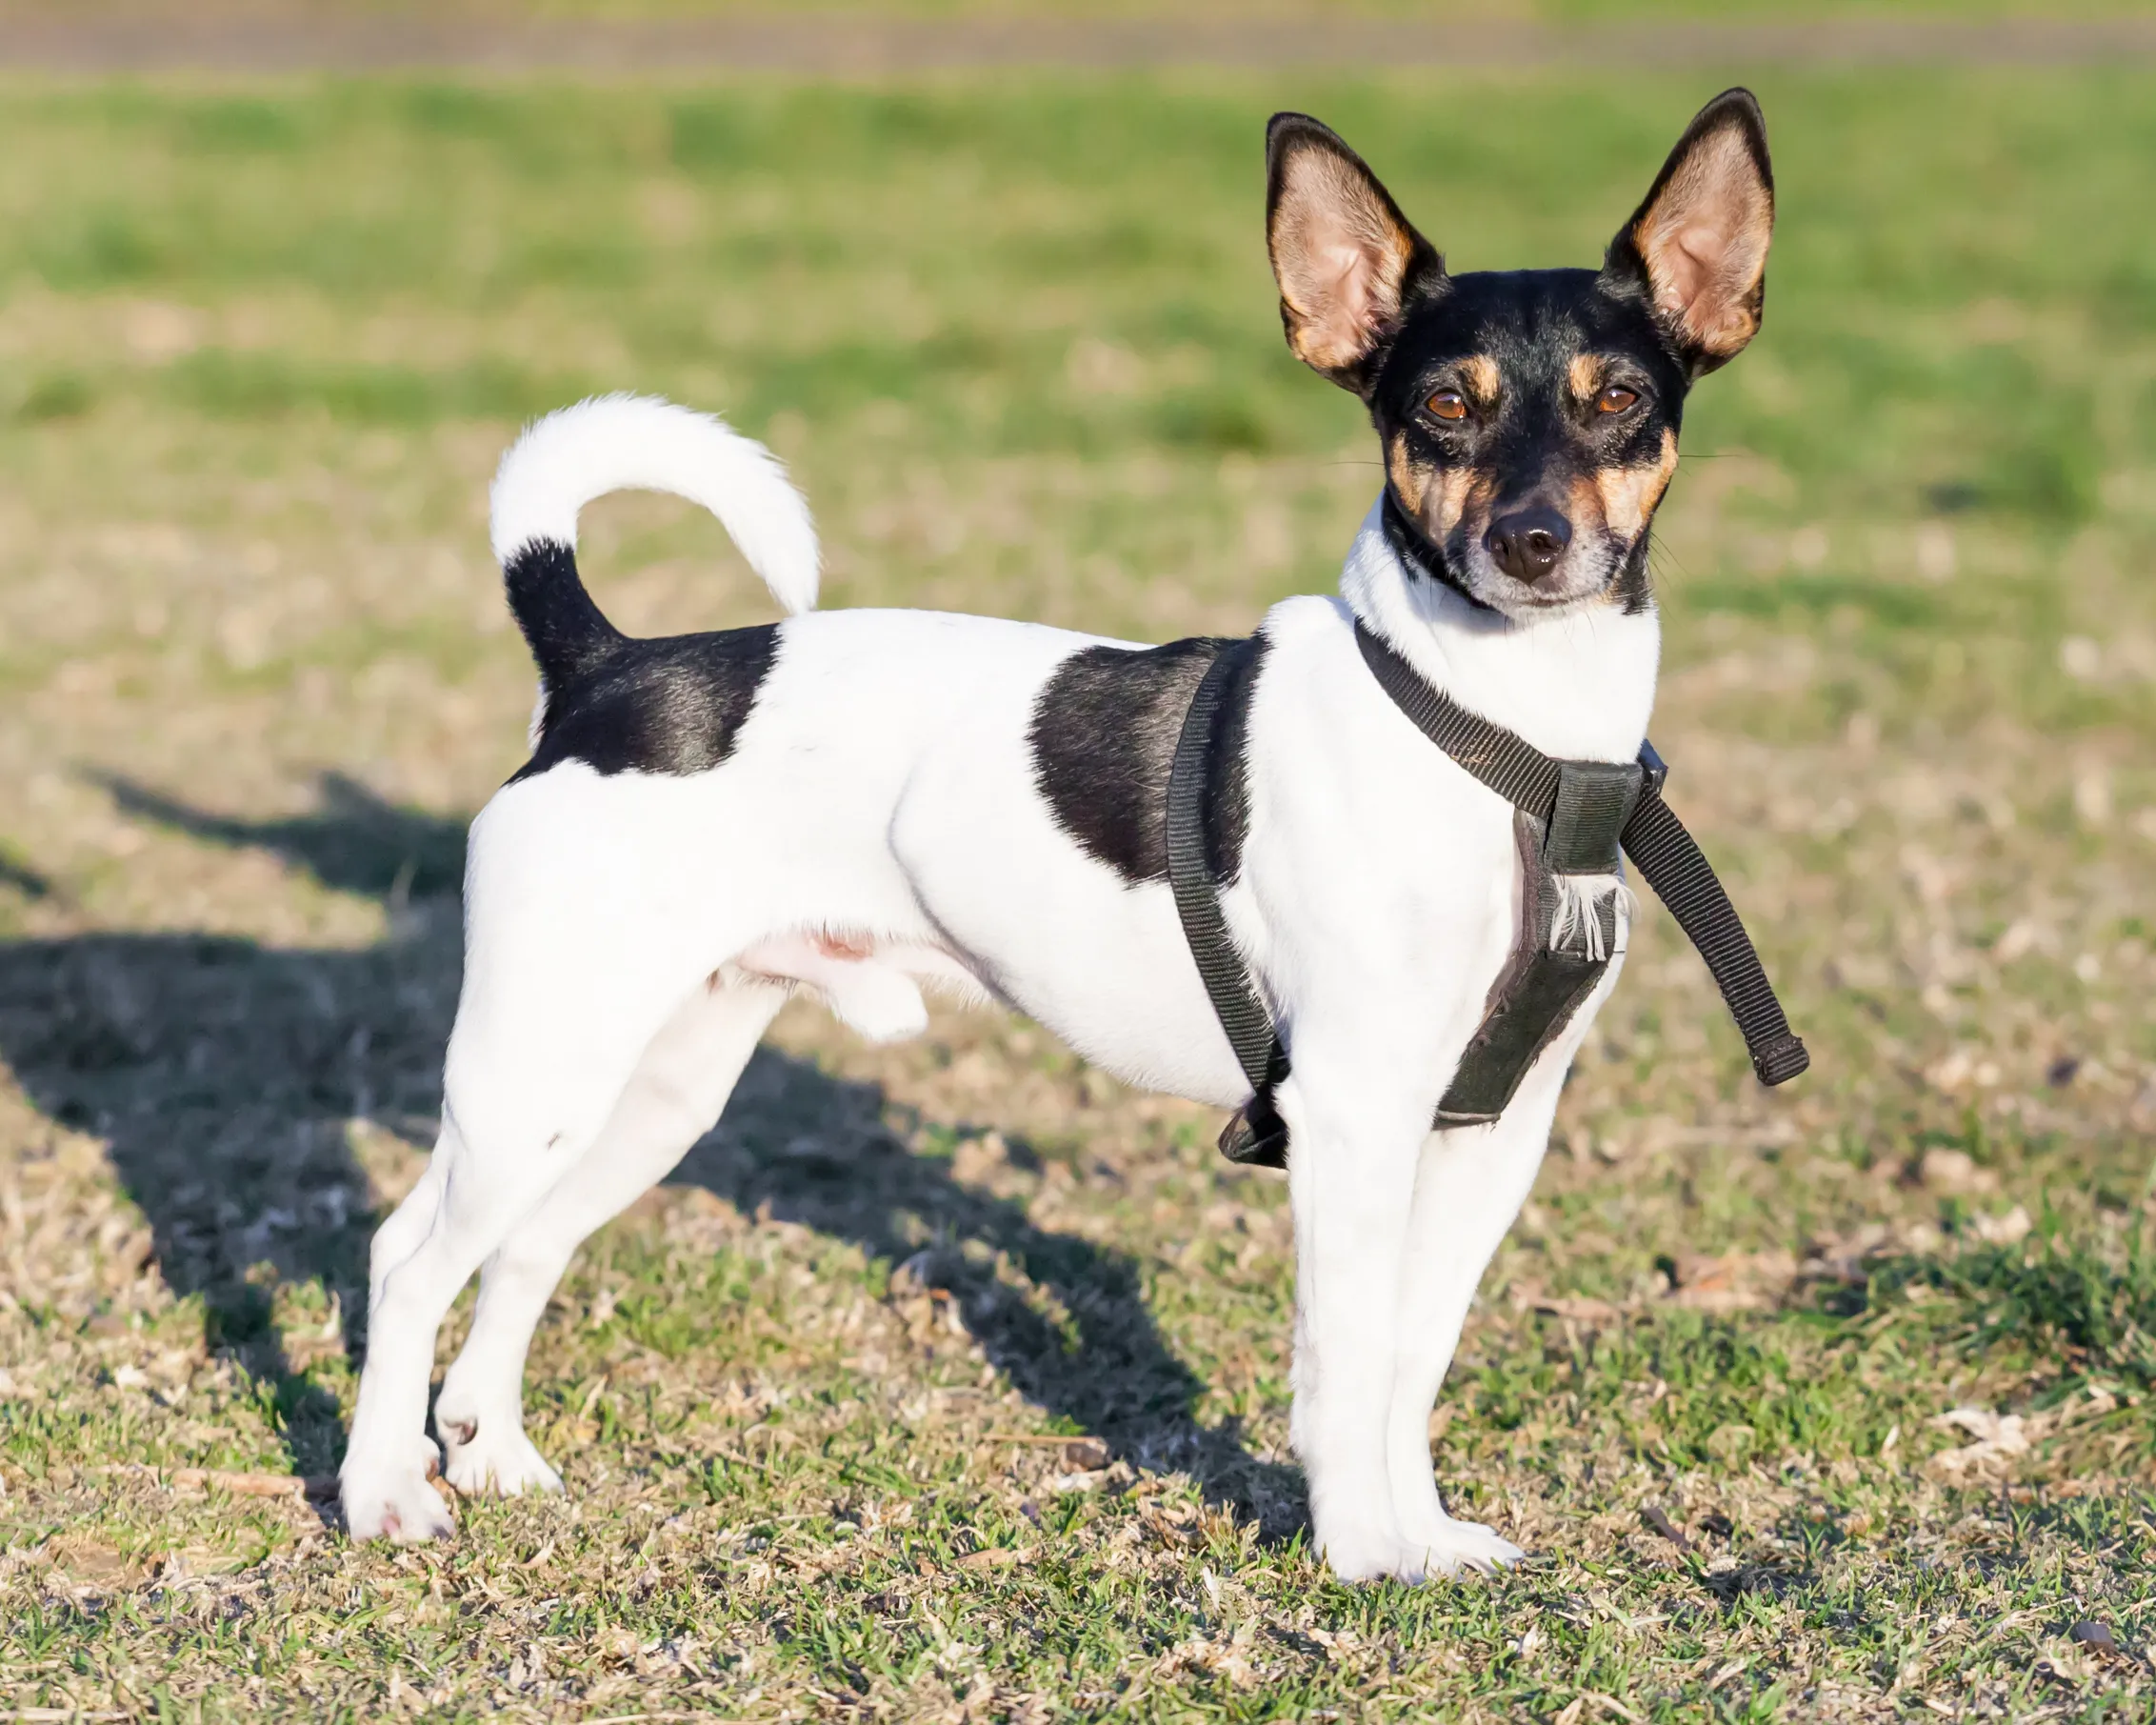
x=612, y=443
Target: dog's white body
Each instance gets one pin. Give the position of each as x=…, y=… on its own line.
x=879, y=824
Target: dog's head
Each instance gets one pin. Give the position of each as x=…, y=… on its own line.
x=1530, y=418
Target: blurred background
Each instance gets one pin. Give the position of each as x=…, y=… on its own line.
x=279, y=283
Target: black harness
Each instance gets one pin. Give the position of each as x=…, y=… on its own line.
x=1573, y=818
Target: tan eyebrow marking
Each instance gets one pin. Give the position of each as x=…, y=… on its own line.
x=1479, y=373
x=1585, y=374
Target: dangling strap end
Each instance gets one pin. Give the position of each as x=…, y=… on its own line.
x=1780, y=1060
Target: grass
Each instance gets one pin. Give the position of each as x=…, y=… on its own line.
x=260, y=349
x=1471, y=11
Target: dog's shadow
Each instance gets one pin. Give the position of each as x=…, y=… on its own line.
x=228, y=1078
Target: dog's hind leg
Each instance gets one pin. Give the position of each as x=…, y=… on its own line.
x=679, y=1088
x=1470, y=1186
x=541, y=1054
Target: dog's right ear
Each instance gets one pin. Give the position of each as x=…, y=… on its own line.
x=1348, y=264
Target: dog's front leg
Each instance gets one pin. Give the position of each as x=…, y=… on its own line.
x=1354, y=1141
x=1469, y=1188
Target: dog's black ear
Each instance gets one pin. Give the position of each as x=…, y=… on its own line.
x=1348, y=264
x=1697, y=247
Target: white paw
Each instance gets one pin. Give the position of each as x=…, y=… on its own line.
x=392, y=1501
x=1373, y=1554
x=1438, y=1546
x=1448, y=1546
x=490, y=1455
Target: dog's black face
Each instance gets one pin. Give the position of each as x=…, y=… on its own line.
x=1529, y=419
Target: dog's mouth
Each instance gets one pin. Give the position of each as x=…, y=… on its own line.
x=1585, y=573
x=1529, y=564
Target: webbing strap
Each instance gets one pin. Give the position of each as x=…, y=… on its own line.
x=1197, y=895
x=1673, y=865
x=1504, y=761
x=1665, y=855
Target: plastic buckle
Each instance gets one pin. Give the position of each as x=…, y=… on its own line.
x=1656, y=769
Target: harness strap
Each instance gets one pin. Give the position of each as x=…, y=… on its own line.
x=1667, y=856
x=1503, y=759
x=1671, y=862
x=1257, y=1134
x=1197, y=895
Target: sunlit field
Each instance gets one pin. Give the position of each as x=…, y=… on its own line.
x=949, y=1380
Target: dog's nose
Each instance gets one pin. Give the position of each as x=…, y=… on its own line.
x=1527, y=543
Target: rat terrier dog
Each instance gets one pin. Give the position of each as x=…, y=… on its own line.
x=860, y=802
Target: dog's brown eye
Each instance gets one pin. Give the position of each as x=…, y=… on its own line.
x=1615, y=400
x=1447, y=404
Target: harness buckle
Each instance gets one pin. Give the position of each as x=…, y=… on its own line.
x=1656, y=769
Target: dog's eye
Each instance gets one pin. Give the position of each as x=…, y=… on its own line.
x=1447, y=404
x=1614, y=400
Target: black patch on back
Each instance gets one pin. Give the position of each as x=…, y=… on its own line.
x=1103, y=737
x=673, y=706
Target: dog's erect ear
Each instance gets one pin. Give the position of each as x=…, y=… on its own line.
x=1697, y=248
x=1347, y=263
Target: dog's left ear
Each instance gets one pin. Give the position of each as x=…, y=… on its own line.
x=1697, y=247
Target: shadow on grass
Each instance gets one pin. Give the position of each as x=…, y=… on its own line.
x=225, y=1075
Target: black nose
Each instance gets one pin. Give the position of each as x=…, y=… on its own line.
x=1527, y=543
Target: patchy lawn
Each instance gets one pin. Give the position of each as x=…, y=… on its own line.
x=950, y=1380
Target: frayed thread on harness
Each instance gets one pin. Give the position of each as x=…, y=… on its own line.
x=1580, y=899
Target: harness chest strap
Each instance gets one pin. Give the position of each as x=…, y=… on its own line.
x=1574, y=808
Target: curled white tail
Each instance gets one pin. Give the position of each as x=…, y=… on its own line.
x=614, y=443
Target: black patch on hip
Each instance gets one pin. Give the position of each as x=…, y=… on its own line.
x=1103, y=737
x=673, y=706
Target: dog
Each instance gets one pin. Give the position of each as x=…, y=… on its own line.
x=860, y=803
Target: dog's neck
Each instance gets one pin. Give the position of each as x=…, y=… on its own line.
x=1579, y=686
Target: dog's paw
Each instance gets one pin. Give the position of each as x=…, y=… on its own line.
x=393, y=1502
x=1374, y=1555
x=1448, y=1547
x=1435, y=1548
x=492, y=1456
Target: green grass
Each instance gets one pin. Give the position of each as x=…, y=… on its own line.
x=260, y=347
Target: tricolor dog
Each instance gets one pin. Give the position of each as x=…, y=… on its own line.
x=862, y=803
